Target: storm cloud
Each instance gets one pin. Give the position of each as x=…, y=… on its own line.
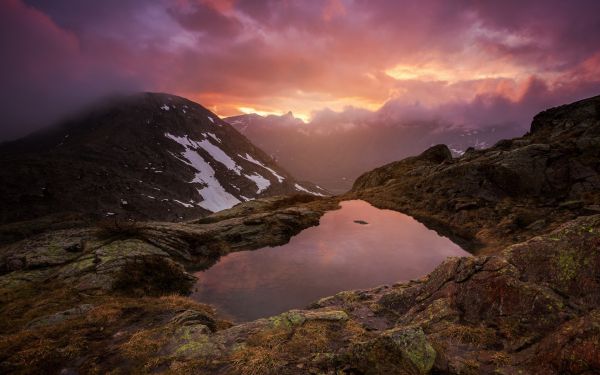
x=470, y=62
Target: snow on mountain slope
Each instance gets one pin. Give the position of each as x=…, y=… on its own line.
x=213, y=196
x=147, y=156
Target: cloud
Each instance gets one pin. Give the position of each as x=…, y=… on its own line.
x=484, y=110
x=439, y=58
x=45, y=74
x=205, y=18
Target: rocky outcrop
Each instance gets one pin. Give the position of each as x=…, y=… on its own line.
x=121, y=255
x=489, y=198
x=502, y=313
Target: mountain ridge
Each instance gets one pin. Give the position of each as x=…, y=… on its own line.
x=145, y=156
x=344, y=150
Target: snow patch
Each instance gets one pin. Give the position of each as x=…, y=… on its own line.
x=211, y=119
x=301, y=188
x=186, y=205
x=165, y=107
x=261, y=183
x=214, y=151
x=249, y=158
x=214, y=196
x=220, y=156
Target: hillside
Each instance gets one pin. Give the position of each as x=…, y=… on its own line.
x=147, y=156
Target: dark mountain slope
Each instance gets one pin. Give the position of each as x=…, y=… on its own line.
x=148, y=156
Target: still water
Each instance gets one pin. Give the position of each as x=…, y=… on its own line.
x=358, y=246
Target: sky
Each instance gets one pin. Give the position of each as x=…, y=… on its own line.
x=470, y=62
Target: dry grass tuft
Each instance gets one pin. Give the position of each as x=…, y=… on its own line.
x=479, y=336
x=116, y=329
x=152, y=276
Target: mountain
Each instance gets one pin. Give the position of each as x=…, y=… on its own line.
x=505, y=193
x=333, y=155
x=100, y=300
x=147, y=156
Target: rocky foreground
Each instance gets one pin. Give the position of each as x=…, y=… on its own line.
x=109, y=299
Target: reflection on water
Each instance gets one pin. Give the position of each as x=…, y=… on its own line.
x=355, y=247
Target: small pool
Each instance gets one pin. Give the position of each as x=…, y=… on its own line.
x=358, y=246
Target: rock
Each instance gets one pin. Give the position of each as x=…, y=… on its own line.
x=193, y=341
x=360, y=222
x=193, y=317
x=465, y=205
x=592, y=208
x=537, y=225
x=571, y=205
x=503, y=144
x=326, y=315
x=74, y=248
x=60, y=317
x=436, y=154
x=403, y=350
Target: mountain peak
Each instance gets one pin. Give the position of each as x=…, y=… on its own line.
x=145, y=156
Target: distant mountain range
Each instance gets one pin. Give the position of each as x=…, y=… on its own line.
x=334, y=155
x=147, y=156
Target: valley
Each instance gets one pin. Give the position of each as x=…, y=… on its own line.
x=101, y=295
x=333, y=154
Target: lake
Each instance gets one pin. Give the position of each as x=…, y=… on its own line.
x=356, y=247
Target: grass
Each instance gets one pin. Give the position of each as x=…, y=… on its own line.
x=152, y=276
x=478, y=336
x=268, y=351
x=121, y=330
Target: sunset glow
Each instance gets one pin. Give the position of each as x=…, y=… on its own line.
x=271, y=57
